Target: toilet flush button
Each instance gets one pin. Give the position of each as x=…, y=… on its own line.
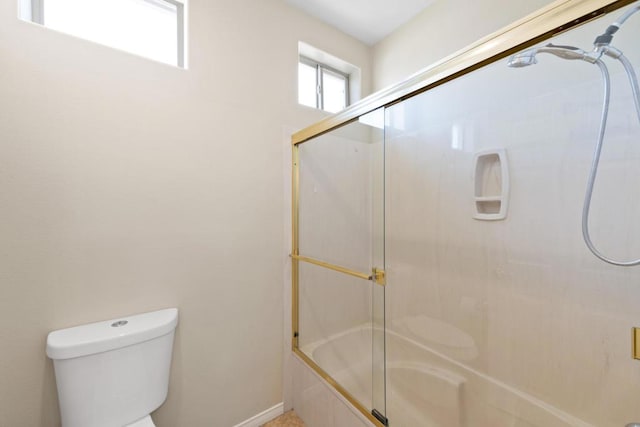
x=119, y=323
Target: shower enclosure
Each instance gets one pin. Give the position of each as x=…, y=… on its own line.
x=440, y=274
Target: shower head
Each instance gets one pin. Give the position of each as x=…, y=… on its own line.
x=523, y=59
x=528, y=57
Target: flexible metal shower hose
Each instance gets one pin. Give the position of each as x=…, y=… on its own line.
x=633, y=80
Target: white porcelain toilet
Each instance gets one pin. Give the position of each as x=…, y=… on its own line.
x=113, y=373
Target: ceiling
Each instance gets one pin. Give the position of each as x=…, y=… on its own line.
x=367, y=20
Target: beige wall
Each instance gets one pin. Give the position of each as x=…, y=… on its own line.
x=438, y=31
x=128, y=185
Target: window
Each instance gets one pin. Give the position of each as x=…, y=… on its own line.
x=150, y=28
x=321, y=86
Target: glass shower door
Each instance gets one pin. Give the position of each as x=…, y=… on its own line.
x=340, y=260
x=498, y=314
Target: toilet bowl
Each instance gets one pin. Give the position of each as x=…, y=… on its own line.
x=115, y=372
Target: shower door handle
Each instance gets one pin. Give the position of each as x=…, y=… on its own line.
x=377, y=275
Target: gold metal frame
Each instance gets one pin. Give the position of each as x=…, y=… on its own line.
x=547, y=22
x=377, y=275
x=333, y=267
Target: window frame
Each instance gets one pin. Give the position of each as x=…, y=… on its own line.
x=38, y=17
x=320, y=67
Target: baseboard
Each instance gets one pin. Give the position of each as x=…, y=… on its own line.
x=263, y=417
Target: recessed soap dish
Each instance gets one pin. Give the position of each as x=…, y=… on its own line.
x=491, y=185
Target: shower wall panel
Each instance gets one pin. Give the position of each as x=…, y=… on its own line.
x=515, y=314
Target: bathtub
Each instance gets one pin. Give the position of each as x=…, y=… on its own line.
x=426, y=387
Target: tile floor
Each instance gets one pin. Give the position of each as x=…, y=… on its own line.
x=288, y=419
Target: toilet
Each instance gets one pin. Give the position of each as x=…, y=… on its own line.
x=113, y=373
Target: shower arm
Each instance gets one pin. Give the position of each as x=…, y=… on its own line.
x=605, y=38
x=626, y=16
x=602, y=46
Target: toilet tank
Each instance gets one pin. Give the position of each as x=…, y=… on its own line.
x=114, y=372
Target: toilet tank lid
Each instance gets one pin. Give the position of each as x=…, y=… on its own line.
x=111, y=334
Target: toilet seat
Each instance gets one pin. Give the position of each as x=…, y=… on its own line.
x=144, y=422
